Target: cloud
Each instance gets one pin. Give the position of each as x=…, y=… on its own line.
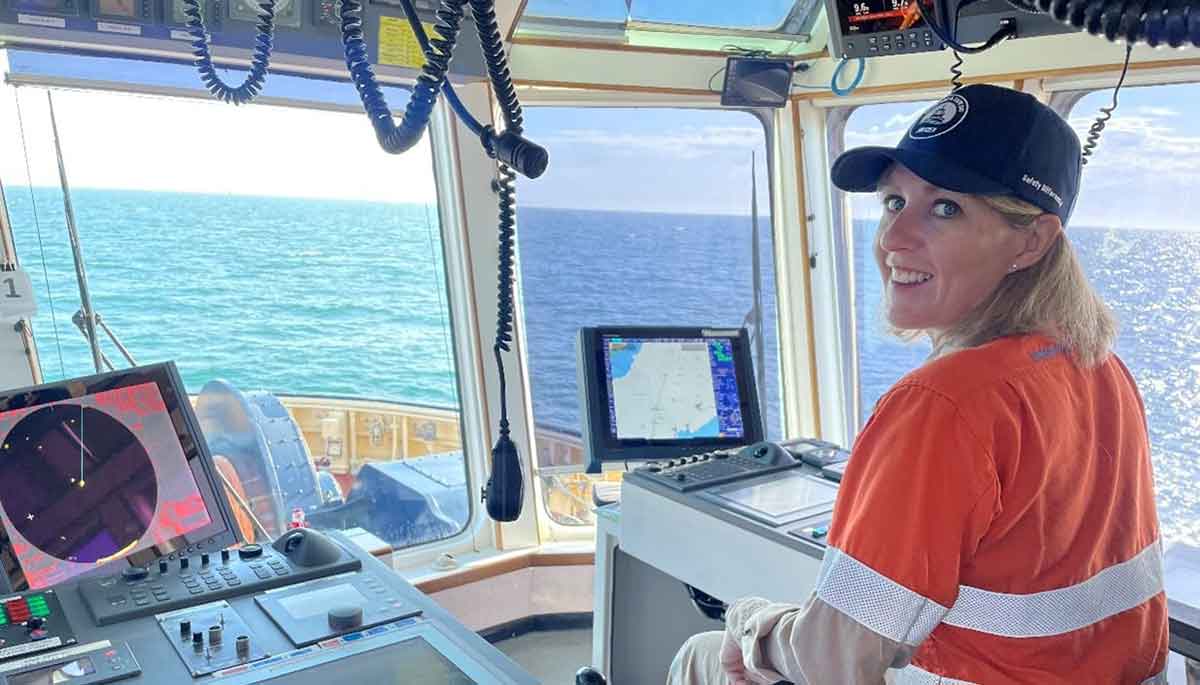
x=886, y=133
x=1145, y=145
x=1143, y=172
x=1152, y=111
x=685, y=143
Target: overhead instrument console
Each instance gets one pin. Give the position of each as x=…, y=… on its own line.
x=119, y=542
x=307, y=34
x=877, y=28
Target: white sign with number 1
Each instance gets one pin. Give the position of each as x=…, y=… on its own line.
x=16, y=296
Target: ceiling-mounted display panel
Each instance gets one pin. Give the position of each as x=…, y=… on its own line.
x=775, y=26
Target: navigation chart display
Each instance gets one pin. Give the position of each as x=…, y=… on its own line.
x=672, y=389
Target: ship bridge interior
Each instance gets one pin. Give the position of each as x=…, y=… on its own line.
x=377, y=325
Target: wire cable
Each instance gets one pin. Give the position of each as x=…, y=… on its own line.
x=394, y=138
x=62, y=364
x=956, y=72
x=260, y=61
x=1093, y=137
x=837, y=73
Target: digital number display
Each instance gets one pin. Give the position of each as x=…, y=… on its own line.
x=287, y=12
x=126, y=9
x=872, y=16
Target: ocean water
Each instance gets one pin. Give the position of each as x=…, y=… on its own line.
x=348, y=298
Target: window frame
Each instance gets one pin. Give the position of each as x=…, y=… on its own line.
x=552, y=530
x=456, y=265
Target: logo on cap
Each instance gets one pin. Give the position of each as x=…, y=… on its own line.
x=941, y=118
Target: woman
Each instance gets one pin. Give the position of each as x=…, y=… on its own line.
x=996, y=523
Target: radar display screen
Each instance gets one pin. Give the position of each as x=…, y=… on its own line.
x=860, y=17
x=672, y=389
x=96, y=470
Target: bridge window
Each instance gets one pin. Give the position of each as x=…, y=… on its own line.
x=1135, y=231
x=276, y=248
x=645, y=221
x=882, y=359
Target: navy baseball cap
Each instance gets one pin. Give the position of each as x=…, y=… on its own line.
x=983, y=140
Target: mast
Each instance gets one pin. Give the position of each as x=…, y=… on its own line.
x=756, y=268
x=85, y=298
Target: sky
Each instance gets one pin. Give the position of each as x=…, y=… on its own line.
x=112, y=140
x=679, y=161
x=1144, y=174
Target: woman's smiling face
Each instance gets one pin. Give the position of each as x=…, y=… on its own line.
x=940, y=253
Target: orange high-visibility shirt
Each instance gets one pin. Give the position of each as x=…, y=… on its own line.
x=997, y=515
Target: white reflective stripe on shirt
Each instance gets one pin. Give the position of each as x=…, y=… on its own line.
x=1115, y=589
x=876, y=601
x=911, y=675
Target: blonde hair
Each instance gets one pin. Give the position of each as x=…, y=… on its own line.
x=1051, y=296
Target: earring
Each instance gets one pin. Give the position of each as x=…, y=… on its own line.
x=1012, y=268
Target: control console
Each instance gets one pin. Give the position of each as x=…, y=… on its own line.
x=698, y=471
x=139, y=591
x=309, y=609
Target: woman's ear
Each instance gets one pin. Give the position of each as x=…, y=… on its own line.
x=1039, y=236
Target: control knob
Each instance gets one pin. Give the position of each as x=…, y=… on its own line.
x=184, y=562
x=134, y=573
x=224, y=556
x=162, y=566
x=250, y=552
x=242, y=645
x=204, y=559
x=345, y=617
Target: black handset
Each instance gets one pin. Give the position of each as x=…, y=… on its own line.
x=307, y=547
x=815, y=452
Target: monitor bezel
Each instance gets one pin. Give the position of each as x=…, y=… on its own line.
x=600, y=447
x=218, y=534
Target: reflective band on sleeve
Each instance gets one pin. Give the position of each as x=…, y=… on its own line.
x=875, y=601
x=911, y=675
x=1115, y=589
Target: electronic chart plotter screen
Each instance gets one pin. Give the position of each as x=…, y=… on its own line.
x=651, y=393
x=101, y=469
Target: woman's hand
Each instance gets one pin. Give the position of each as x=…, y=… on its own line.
x=731, y=661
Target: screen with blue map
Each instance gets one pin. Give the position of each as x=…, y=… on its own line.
x=672, y=388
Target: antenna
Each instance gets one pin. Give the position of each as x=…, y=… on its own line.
x=85, y=297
